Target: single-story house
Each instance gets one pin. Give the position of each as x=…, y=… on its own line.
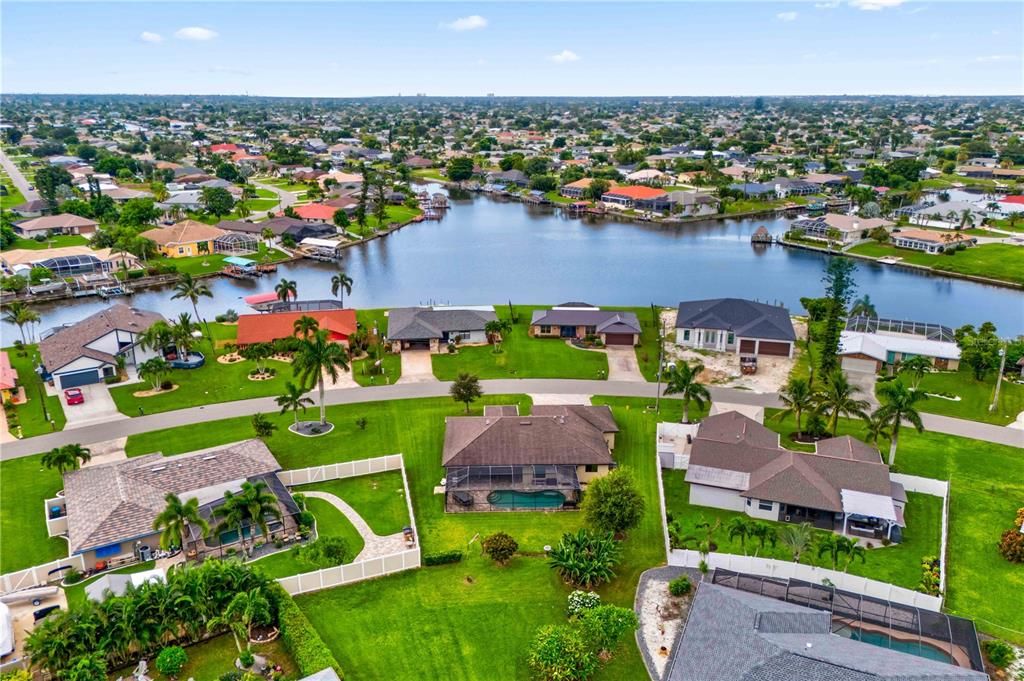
x=851, y=228
x=184, y=239
x=504, y=461
x=266, y=328
x=735, y=325
x=869, y=344
x=689, y=203
x=87, y=351
x=64, y=223
x=928, y=241
x=580, y=320
x=281, y=226
x=189, y=199
x=110, y=508
x=649, y=176
x=8, y=379
x=637, y=196
x=756, y=189
x=578, y=189
x=432, y=327
x=66, y=261
x=737, y=464
x=315, y=212
x=516, y=177
x=32, y=209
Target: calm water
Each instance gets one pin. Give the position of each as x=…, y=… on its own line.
x=489, y=251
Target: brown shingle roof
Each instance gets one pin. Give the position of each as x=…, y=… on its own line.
x=184, y=232
x=69, y=344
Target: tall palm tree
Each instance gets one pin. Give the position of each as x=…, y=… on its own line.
x=917, y=366
x=19, y=314
x=341, y=284
x=305, y=326
x=293, y=400
x=67, y=458
x=285, y=289
x=796, y=538
x=247, y=508
x=798, y=398
x=863, y=306
x=838, y=397
x=317, y=356
x=741, y=527
x=682, y=380
x=156, y=337
x=192, y=290
x=182, y=330
x=174, y=521
x=898, y=406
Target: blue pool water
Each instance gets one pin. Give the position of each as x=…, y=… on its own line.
x=507, y=498
x=876, y=638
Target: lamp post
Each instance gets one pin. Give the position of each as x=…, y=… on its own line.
x=661, y=366
x=999, y=378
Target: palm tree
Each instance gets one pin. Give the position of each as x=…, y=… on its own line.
x=293, y=400
x=248, y=508
x=838, y=396
x=316, y=356
x=682, y=380
x=246, y=610
x=863, y=306
x=764, y=534
x=497, y=329
x=741, y=527
x=833, y=545
x=192, y=290
x=798, y=398
x=917, y=366
x=174, y=521
x=154, y=370
x=156, y=337
x=66, y=458
x=853, y=550
x=341, y=284
x=305, y=326
x=796, y=538
x=20, y=314
x=182, y=331
x=898, y=406
x=285, y=289
x=877, y=430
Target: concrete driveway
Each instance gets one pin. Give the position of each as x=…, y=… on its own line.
x=865, y=380
x=416, y=367
x=98, y=407
x=622, y=364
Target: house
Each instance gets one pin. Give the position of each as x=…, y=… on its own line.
x=690, y=203
x=296, y=228
x=735, y=325
x=269, y=327
x=649, y=176
x=32, y=209
x=513, y=176
x=737, y=464
x=870, y=344
x=89, y=351
x=184, y=239
x=190, y=199
x=504, y=461
x=1012, y=204
x=580, y=320
x=928, y=241
x=578, y=189
x=110, y=508
x=850, y=228
x=418, y=162
x=66, y=261
x=64, y=223
x=760, y=190
x=432, y=327
x=315, y=212
x=8, y=379
x=637, y=196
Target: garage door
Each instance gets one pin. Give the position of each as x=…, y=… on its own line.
x=618, y=339
x=773, y=348
x=747, y=347
x=860, y=365
x=79, y=378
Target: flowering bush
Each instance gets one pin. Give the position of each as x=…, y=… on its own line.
x=581, y=601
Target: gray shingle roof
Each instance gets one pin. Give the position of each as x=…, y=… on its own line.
x=68, y=344
x=423, y=323
x=745, y=318
x=604, y=320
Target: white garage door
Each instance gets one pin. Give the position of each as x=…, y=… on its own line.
x=861, y=365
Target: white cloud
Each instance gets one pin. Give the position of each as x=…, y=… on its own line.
x=989, y=58
x=875, y=5
x=564, y=56
x=832, y=4
x=786, y=16
x=195, y=33
x=473, y=22
x=150, y=37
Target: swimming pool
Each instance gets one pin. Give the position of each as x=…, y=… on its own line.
x=508, y=498
x=877, y=638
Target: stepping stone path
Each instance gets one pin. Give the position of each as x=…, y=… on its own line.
x=375, y=545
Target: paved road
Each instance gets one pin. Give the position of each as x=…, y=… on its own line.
x=89, y=434
x=286, y=199
x=17, y=177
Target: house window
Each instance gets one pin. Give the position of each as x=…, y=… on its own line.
x=731, y=339
x=590, y=468
x=545, y=328
x=686, y=334
x=181, y=250
x=591, y=330
x=763, y=505
x=108, y=551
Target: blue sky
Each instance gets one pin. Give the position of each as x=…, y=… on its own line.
x=571, y=48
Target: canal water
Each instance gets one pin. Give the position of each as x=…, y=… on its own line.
x=489, y=250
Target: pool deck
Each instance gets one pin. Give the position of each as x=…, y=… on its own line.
x=480, y=503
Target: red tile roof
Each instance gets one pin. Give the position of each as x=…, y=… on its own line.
x=8, y=376
x=219, y=148
x=315, y=211
x=636, y=192
x=1012, y=199
x=264, y=328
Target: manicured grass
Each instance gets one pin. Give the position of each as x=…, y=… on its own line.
x=751, y=205
x=265, y=193
x=58, y=241
x=993, y=261
x=897, y=564
x=76, y=592
x=330, y=522
x=392, y=371
x=554, y=197
x=379, y=499
x=24, y=484
x=522, y=356
x=975, y=396
x=30, y=414
x=216, y=657
x=399, y=214
x=430, y=174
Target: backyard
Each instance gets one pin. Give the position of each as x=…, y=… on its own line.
x=993, y=261
x=24, y=485
x=330, y=522
x=975, y=396
x=56, y=241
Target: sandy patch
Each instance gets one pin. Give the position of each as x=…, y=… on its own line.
x=151, y=393
x=230, y=358
x=661, y=615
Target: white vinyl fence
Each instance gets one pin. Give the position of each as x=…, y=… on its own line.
x=39, y=575
x=348, y=469
x=936, y=488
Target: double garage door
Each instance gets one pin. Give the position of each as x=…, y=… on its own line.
x=767, y=348
x=73, y=380
x=618, y=339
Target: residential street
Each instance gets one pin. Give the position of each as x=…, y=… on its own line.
x=88, y=434
x=286, y=198
x=17, y=177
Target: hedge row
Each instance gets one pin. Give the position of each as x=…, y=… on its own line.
x=442, y=558
x=302, y=641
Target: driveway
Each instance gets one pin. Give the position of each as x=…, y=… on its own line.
x=865, y=380
x=416, y=367
x=622, y=365
x=98, y=407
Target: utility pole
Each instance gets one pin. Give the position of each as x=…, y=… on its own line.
x=661, y=365
x=999, y=378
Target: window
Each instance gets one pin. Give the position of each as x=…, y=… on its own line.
x=731, y=339
x=545, y=328
x=686, y=334
x=763, y=505
x=181, y=249
x=108, y=551
x=591, y=330
x=590, y=468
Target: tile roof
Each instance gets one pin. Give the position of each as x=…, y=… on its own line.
x=419, y=323
x=184, y=232
x=70, y=343
x=636, y=192
x=264, y=328
x=745, y=318
x=61, y=221
x=8, y=375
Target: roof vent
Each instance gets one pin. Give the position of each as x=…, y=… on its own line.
x=808, y=645
x=525, y=423
x=157, y=469
x=209, y=457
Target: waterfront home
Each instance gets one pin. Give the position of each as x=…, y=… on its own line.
x=48, y=225
x=88, y=351
x=693, y=203
x=432, y=327
x=1011, y=204
x=514, y=176
x=296, y=228
x=849, y=228
x=8, y=379
x=108, y=509
x=184, y=239
x=737, y=464
x=757, y=190
x=928, y=241
x=578, y=189
x=315, y=212
x=579, y=320
x=735, y=325
x=870, y=344
x=649, y=176
x=504, y=461
x=66, y=261
x=637, y=196
x=418, y=162
x=272, y=326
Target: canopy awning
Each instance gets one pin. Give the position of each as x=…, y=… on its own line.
x=240, y=262
x=868, y=505
x=258, y=298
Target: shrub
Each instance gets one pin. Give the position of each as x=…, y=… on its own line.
x=585, y=558
x=246, y=658
x=680, y=586
x=136, y=274
x=442, y=558
x=231, y=676
x=171, y=660
x=500, y=547
x=166, y=385
x=72, y=576
x=581, y=601
x=605, y=625
x=562, y=653
x=930, y=576
x=302, y=641
x=614, y=503
x=999, y=653
x=1011, y=545
x=325, y=552
x=111, y=380
x=306, y=518
x=361, y=423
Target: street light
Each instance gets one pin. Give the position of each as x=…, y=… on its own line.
x=999, y=378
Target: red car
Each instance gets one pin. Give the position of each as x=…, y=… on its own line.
x=74, y=396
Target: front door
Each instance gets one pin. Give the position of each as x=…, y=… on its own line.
x=567, y=331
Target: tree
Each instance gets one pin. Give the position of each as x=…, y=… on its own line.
x=585, y=558
x=832, y=545
x=192, y=289
x=764, y=534
x=257, y=353
x=979, y=350
x=229, y=172
x=460, y=168
x=154, y=370
x=604, y=626
x=19, y=314
x=137, y=212
x=838, y=397
x=293, y=400
x=341, y=284
x=47, y=181
x=683, y=380
x=285, y=289
x=316, y=356
x=596, y=189
x=66, y=458
x=247, y=508
x=305, y=326
x=171, y=661
x=614, y=503
x=796, y=538
x=174, y=521
x=340, y=219
x=917, y=366
x=561, y=653
x=217, y=201
x=157, y=337
x=839, y=290
x=466, y=389
x=496, y=330
x=798, y=397
x=898, y=406
x=89, y=667
x=863, y=306
x=500, y=547
x=262, y=426
x=741, y=527
x=246, y=610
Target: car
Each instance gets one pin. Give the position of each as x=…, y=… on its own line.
x=74, y=396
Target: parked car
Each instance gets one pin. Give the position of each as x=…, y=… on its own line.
x=74, y=396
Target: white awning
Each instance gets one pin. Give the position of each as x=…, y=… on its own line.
x=868, y=505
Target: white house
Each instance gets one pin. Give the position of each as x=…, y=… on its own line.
x=735, y=325
x=870, y=344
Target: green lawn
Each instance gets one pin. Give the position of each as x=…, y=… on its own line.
x=994, y=261
x=330, y=522
x=57, y=241
x=975, y=396
x=30, y=415
x=262, y=193
x=14, y=196
x=399, y=214
x=554, y=197
x=392, y=365
x=430, y=174
x=212, y=659
x=378, y=498
x=24, y=484
x=76, y=592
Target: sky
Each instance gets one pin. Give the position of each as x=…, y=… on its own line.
x=348, y=49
